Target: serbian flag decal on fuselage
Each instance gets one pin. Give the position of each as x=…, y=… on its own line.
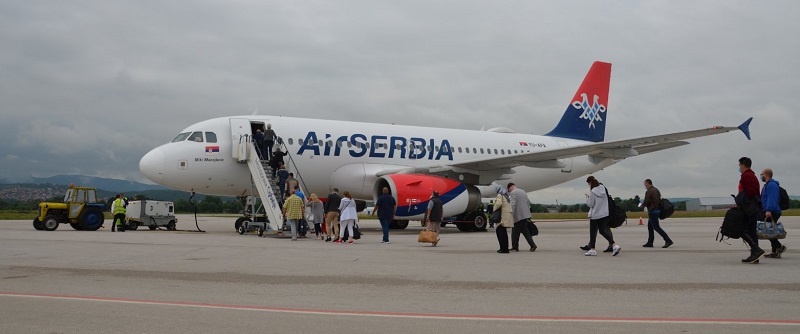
x=212, y=150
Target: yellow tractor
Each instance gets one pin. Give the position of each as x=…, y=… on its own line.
x=79, y=209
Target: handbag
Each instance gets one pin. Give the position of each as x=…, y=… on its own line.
x=356, y=232
x=770, y=230
x=426, y=236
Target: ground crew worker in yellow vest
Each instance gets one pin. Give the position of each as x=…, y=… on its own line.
x=118, y=209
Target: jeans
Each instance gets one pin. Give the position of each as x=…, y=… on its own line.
x=268, y=149
x=652, y=225
x=521, y=227
x=502, y=238
x=601, y=225
x=293, y=226
x=385, y=227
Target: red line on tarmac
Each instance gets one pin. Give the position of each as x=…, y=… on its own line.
x=408, y=315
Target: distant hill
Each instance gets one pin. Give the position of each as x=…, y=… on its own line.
x=112, y=185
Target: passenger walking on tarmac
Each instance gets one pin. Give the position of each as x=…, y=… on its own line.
x=434, y=215
x=770, y=199
x=258, y=139
x=118, y=209
x=502, y=202
x=652, y=201
x=748, y=182
x=316, y=214
x=332, y=214
x=293, y=211
x=521, y=206
x=385, y=208
x=291, y=184
x=597, y=200
x=269, y=141
x=348, y=217
x=283, y=175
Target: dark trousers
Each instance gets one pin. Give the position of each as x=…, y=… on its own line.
x=776, y=245
x=652, y=225
x=268, y=149
x=600, y=225
x=521, y=227
x=502, y=237
x=385, y=222
x=121, y=218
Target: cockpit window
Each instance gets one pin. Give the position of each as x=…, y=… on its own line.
x=197, y=137
x=211, y=137
x=181, y=137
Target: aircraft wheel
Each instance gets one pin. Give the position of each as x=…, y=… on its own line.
x=464, y=227
x=37, y=224
x=479, y=223
x=239, y=222
x=399, y=224
x=50, y=223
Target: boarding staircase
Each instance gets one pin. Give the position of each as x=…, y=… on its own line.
x=267, y=186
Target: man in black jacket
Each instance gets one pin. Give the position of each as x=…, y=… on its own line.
x=332, y=213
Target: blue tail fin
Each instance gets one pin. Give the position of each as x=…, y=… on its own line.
x=587, y=113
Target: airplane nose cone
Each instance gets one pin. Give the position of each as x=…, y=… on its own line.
x=152, y=165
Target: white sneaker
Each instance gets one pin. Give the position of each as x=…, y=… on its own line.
x=615, y=250
x=591, y=252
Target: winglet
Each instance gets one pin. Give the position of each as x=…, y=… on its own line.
x=745, y=127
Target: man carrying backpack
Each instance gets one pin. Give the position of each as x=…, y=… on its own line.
x=748, y=183
x=652, y=201
x=770, y=199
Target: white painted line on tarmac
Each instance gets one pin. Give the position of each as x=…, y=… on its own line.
x=411, y=315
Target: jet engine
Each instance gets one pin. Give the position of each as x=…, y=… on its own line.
x=413, y=192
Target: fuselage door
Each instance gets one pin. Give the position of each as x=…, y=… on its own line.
x=239, y=127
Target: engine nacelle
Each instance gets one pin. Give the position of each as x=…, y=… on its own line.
x=413, y=191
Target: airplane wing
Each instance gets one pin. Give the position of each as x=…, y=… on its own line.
x=619, y=149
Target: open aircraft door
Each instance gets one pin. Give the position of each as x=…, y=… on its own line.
x=239, y=127
x=568, y=161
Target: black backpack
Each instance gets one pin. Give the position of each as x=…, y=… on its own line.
x=616, y=215
x=733, y=224
x=784, y=199
x=667, y=209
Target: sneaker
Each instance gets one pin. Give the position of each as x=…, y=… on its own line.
x=754, y=256
x=591, y=252
x=608, y=250
x=386, y=242
x=328, y=239
x=615, y=250
x=350, y=242
x=338, y=241
x=435, y=242
x=781, y=250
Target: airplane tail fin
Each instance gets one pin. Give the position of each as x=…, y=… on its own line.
x=587, y=113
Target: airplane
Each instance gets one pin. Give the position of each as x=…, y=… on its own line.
x=412, y=161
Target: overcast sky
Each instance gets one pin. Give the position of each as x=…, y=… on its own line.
x=88, y=87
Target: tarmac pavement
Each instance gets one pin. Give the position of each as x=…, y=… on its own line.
x=145, y=281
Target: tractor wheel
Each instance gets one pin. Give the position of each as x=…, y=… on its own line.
x=152, y=227
x=76, y=227
x=241, y=229
x=171, y=225
x=91, y=219
x=50, y=223
x=260, y=232
x=132, y=225
x=37, y=224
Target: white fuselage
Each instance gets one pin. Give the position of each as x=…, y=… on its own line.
x=366, y=149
